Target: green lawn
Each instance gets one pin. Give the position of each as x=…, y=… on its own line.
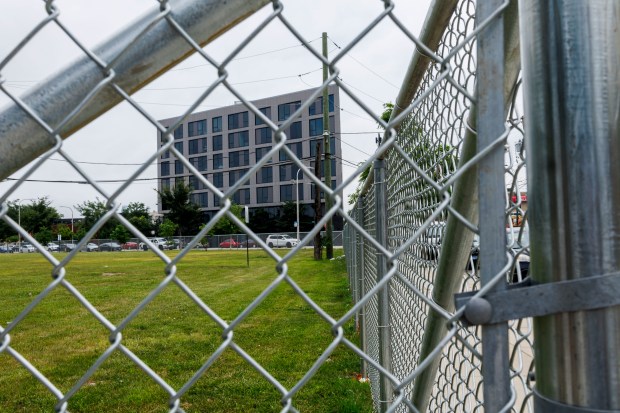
x=174, y=336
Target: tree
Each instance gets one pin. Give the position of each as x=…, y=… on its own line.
x=387, y=112
x=64, y=231
x=167, y=228
x=225, y=225
x=140, y=217
x=261, y=221
x=136, y=209
x=181, y=210
x=92, y=211
x=120, y=234
x=34, y=217
x=44, y=236
x=288, y=215
x=360, y=184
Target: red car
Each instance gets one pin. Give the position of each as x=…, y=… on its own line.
x=229, y=243
x=130, y=245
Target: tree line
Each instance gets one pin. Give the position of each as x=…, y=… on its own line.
x=183, y=218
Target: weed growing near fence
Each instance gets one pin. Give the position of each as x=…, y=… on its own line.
x=174, y=337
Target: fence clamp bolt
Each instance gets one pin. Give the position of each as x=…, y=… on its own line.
x=478, y=311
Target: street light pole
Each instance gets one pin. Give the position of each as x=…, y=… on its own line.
x=297, y=196
x=70, y=209
x=19, y=221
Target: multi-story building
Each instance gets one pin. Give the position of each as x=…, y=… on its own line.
x=224, y=143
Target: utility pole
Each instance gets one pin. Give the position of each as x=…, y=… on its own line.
x=328, y=162
x=318, y=248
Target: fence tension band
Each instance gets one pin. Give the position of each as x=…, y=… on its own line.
x=527, y=299
x=543, y=404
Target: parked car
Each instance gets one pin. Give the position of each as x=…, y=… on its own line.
x=51, y=246
x=281, y=240
x=518, y=243
x=90, y=247
x=229, y=243
x=431, y=240
x=4, y=250
x=518, y=240
x=249, y=243
x=27, y=247
x=110, y=246
x=68, y=247
x=130, y=245
x=159, y=242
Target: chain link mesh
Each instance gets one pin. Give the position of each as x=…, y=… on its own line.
x=422, y=170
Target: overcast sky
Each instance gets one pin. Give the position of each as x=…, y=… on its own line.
x=274, y=63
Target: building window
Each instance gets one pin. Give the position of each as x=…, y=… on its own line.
x=316, y=126
x=293, y=131
x=238, y=120
x=287, y=109
x=262, y=152
x=217, y=143
x=238, y=158
x=199, y=162
x=295, y=147
x=234, y=176
x=178, y=132
x=218, y=161
x=265, y=111
x=179, y=180
x=165, y=183
x=201, y=199
x=286, y=193
x=165, y=168
x=332, y=145
x=262, y=135
x=179, y=147
x=195, y=183
x=197, y=128
x=195, y=146
x=178, y=167
x=316, y=108
x=165, y=154
x=265, y=175
x=216, y=200
x=242, y=196
x=264, y=195
x=287, y=172
x=218, y=179
x=216, y=124
x=238, y=139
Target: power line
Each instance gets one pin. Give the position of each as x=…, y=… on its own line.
x=364, y=66
x=250, y=56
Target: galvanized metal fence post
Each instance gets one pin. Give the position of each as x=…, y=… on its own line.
x=359, y=275
x=571, y=62
x=491, y=125
x=383, y=297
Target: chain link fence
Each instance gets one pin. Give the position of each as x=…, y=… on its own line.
x=422, y=195
x=436, y=363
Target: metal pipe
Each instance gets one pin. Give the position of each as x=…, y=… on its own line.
x=151, y=55
x=571, y=62
x=383, y=297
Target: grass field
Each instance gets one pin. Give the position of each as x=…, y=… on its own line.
x=174, y=337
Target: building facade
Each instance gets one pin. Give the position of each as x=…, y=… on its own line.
x=224, y=144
